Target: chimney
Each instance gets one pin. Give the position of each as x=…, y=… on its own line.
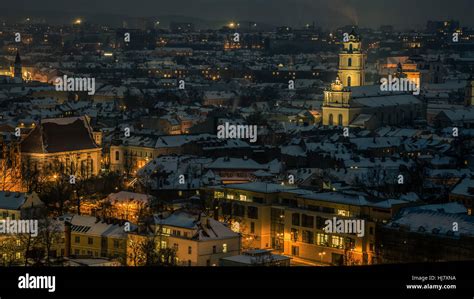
x=67, y=238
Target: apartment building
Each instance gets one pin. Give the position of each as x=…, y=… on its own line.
x=196, y=240
x=291, y=221
x=88, y=236
x=17, y=205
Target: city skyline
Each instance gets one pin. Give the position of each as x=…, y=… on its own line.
x=326, y=14
x=168, y=135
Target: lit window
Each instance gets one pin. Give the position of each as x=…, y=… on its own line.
x=322, y=239
x=224, y=248
x=243, y=197
x=337, y=241
x=344, y=213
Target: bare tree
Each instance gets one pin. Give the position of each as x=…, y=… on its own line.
x=8, y=250
x=49, y=234
x=147, y=251
x=377, y=184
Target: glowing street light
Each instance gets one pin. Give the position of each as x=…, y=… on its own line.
x=78, y=22
x=321, y=254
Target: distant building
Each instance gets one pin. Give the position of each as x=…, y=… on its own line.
x=195, y=239
x=88, y=236
x=290, y=220
x=235, y=170
x=427, y=234
x=368, y=107
x=62, y=146
x=16, y=205
x=182, y=27
x=348, y=103
x=219, y=98
x=463, y=193
x=461, y=118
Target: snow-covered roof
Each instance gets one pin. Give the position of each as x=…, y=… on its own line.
x=204, y=228
x=90, y=225
x=11, y=201
x=465, y=188
x=387, y=100
x=434, y=222
x=178, y=140
x=261, y=187
x=235, y=163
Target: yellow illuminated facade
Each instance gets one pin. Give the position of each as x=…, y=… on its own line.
x=337, y=110
x=352, y=62
x=292, y=223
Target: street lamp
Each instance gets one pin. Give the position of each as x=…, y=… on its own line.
x=321, y=254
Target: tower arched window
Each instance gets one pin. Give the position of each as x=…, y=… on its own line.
x=117, y=155
x=350, y=47
x=331, y=122
x=340, y=120
x=349, y=81
x=349, y=61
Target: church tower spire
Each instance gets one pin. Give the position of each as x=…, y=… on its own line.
x=17, y=69
x=352, y=61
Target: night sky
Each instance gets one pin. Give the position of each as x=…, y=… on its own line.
x=325, y=13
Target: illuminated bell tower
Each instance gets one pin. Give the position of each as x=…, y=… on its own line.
x=352, y=61
x=337, y=105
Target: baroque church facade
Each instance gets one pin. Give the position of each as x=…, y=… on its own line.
x=349, y=102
